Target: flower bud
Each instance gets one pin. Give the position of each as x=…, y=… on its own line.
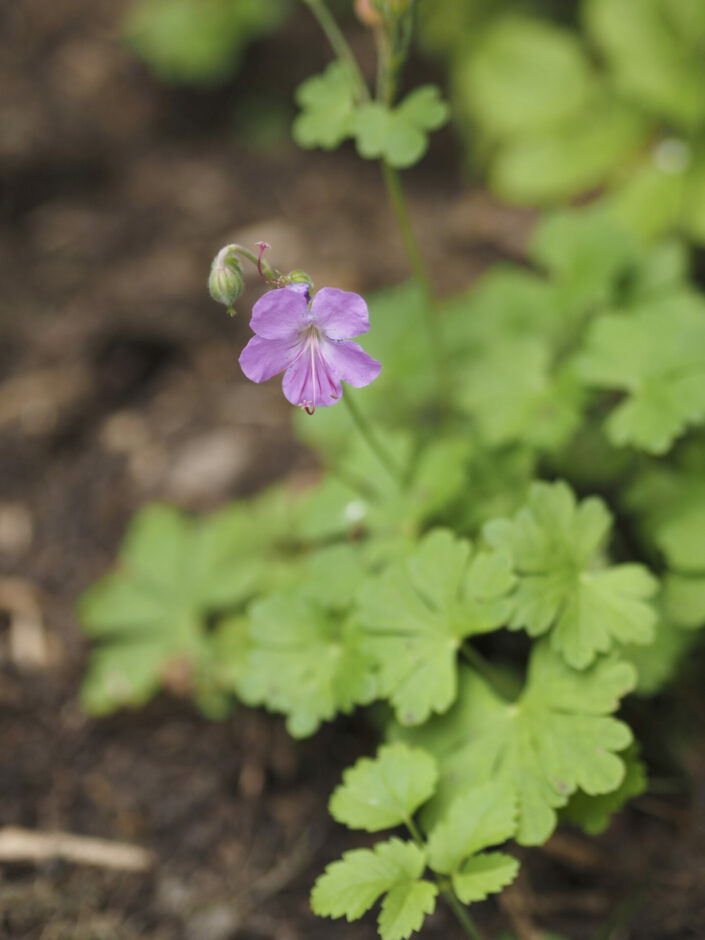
x=225, y=282
x=368, y=14
x=299, y=277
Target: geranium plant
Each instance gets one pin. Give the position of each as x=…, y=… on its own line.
x=485, y=458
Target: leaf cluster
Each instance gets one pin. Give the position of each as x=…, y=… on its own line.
x=331, y=112
x=400, y=581
x=386, y=792
x=557, y=112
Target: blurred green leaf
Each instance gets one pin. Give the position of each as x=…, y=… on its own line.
x=660, y=68
x=555, y=544
x=593, y=813
x=514, y=396
x=523, y=75
x=650, y=201
x=327, y=103
x=656, y=355
x=399, y=135
x=149, y=615
x=585, y=253
x=569, y=157
x=198, y=42
x=305, y=656
x=416, y=615
x=556, y=738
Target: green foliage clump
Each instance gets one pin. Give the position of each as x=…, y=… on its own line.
x=557, y=737
x=149, y=617
x=398, y=577
x=555, y=112
x=199, y=42
x=516, y=541
x=555, y=545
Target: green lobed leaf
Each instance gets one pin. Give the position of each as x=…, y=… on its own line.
x=656, y=355
x=327, y=103
x=417, y=613
x=586, y=253
x=399, y=135
x=385, y=791
x=305, y=659
x=149, y=613
x=593, y=813
x=484, y=874
x=555, y=545
x=515, y=395
x=557, y=737
x=486, y=815
x=404, y=909
x=363, y=497
x=349, y=887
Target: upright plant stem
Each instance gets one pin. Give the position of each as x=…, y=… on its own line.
x=401, y=213
x=373, y=441
x=338, y=43
x=418, y=267
x=461, y=914
x=446, y=888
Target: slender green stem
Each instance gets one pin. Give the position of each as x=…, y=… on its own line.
x=339, y=43
x=372, y=439
x=460, y=911
x=418, y=267
x=415, y=832
x=401, y=213
x=500, y=683
x=446, y=888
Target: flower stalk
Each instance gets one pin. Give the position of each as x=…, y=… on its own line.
x=372, y=440
x=393, y=39
x=445, y=886
x=339, y=44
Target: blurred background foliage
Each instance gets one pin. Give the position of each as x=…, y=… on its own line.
x=553, y=99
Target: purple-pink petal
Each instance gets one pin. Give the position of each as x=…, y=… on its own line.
x=263, y=358
x=280, y=314
x=339, y=313
x=351, y=363
x=310, y=382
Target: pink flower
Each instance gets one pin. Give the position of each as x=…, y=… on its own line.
x=309, y=341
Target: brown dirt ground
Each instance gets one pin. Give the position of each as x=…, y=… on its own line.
x=118, y=384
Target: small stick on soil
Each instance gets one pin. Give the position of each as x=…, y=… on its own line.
x=24, y=845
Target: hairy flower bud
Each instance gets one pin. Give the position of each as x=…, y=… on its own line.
x=225, y=281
